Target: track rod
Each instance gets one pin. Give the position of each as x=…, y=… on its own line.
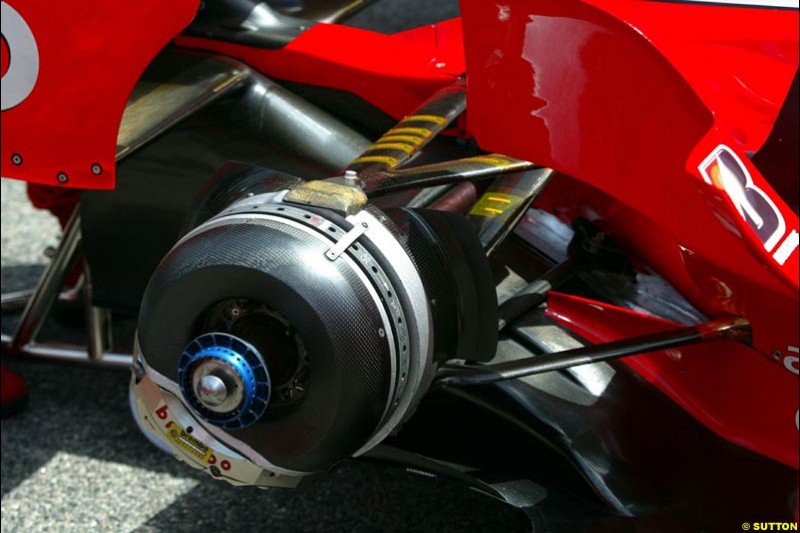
x=467, y=169
x=737, y=329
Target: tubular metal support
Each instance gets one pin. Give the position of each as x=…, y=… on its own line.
x=50, y=283
x=97, y=337
x=98, y=330
x=74, y=354
x=12, y=301
x=737, y=329
x=17, y=300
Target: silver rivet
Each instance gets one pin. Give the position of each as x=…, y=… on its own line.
x=381, y=332
x=16, y=159
x=62, y=177
x=97, y=169
x=212, y=391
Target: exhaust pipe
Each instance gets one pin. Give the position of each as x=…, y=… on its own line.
x=291, y=123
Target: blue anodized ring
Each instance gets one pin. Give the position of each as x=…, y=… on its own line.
x=225, y=380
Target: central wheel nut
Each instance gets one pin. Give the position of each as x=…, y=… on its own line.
x=212, y=391
x=218, y=386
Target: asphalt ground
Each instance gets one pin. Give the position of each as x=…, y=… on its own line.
x=74, y=460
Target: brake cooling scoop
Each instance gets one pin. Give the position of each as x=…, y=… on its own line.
x=294, y=325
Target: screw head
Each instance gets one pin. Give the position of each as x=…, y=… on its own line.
x=62, y=177
x=16, y=159
x=97, y=169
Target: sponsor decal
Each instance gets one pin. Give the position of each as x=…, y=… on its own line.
x=726, y=171
x=183, y=439
x=792, y=362
x=20, y=67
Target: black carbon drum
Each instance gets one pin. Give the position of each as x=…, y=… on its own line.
x=305, y=334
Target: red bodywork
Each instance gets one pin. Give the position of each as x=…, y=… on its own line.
x=614, y=96
x=90, y=55
x=628, y=98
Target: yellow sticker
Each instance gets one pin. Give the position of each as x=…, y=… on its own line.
x=391, y=161
x=414, y=131
x=436, y=119
x=490, y=160
x=400, y=138
x=403, y=147
x=500, y=199
x=496, y=205
x=187, y=442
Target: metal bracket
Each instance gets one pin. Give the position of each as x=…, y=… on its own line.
x=345, y=242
